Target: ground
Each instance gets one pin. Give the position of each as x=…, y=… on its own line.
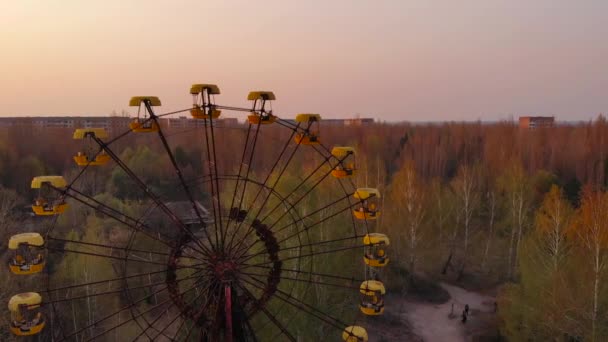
x=408, y=319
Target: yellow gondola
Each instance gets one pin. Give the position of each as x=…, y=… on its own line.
x=203, y=108
x=372, y=297
x=144, y=124
x=375, y=249
x=346, y=167
x=82, y=158
x=259, y=114
x=310, y=136
x=369, y=203
x=26, y=317
x=354, y=333
x=28, y=257
x=45, y=203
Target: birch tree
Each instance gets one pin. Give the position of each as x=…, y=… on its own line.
x=515, y=185
x=490, y=202
x=552, y=221
x=407, y=192
x=466, y=188
x=592, y=232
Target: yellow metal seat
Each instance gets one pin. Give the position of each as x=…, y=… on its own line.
x=136, y=101
x=346, y=167
x=261, y=95
x=45, y=205
x=259, y=114
x=369, y=203
x=55, y=181
x=144, y=124
x=310, y=136
x=82, y=159
x=201, y=113
x=27, y=258
x=211, y=89
x=375, y=249
x=81, y=133
x=26, y=317
x=255, y=119
x=48, y=210
x=354, y=333
x=203, y=107
x=372, y=297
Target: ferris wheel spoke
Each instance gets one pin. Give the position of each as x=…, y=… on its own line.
x=310, y=273
x=238, y=178
x=302, y=306
x=122, y=258
x=360, y=202
x=268, y=314
x=145, y=297
x=115, y=214
x=308, y=255
x=179, y=314
x=134, y=317
x=179, y=175
x=158, y=317
x=307, y=281
x=214, y=176
x=115, y=291
x=102, y=281
x=246, y=177
x=198, y=313
x=151, y=195
x=276, y=181
x=208, y=301
x=126, y=249
x=248, y=257
x=306, y=226
x=302, y=183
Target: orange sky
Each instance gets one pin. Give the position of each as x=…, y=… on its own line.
x=393, y=60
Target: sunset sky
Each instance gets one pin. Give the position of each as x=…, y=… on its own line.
x=395, y=60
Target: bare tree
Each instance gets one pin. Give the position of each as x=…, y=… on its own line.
x=466, y=186
x=592, y=231
x=491, y=205
x=409, y=196
x=552, y=221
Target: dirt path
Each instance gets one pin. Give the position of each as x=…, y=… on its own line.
x=433, y=322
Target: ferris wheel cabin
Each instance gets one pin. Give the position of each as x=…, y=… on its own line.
x=259, y=113
x=310, y=135
x=87, y=156
x=346, y=161
x=28, y=257
x=354, y=333
x=145, y=122
x=48, y=203
x=375, y=249
x=203, y=105
x=372, y=297
x=26, y=317
x=368, y=210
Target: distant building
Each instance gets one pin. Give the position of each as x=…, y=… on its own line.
x=114, y=124
x=534, y=122
x=110, y=123
x=358, y=122
x=347, y=122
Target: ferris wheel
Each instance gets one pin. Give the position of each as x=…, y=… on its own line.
x=259, y=234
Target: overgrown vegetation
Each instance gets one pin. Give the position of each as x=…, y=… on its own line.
x=462, y=202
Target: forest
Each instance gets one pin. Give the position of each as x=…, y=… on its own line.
x=479, y=205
